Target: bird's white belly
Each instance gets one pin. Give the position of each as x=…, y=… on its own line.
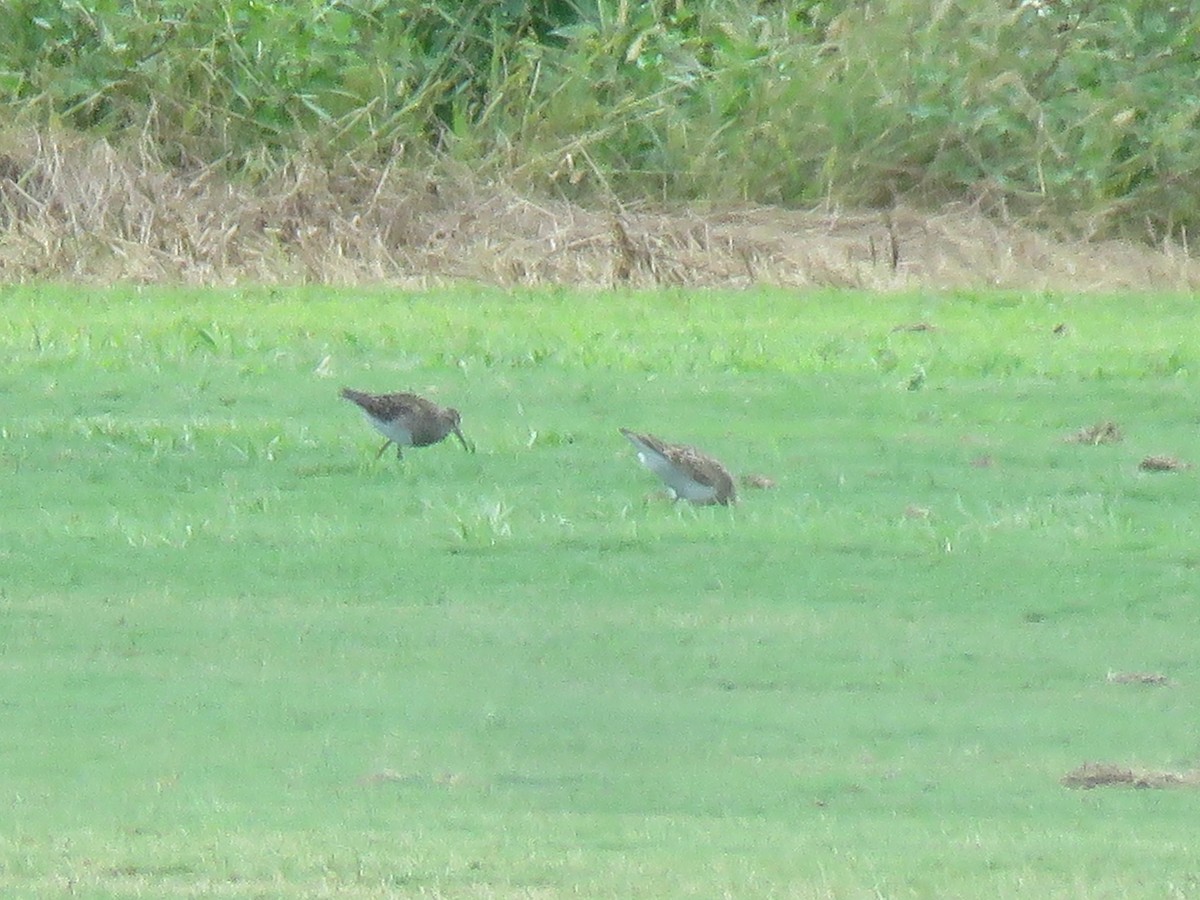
x=685, y=487
x=393, y=431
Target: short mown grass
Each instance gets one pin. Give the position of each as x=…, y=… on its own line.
x=241, y=659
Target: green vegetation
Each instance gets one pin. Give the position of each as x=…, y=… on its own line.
x=1082, y=115
x=239, y=659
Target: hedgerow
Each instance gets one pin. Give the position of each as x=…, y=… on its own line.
x=1080, y=114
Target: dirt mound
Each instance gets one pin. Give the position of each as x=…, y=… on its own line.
x=87, y=211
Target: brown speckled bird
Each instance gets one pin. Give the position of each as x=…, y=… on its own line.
x=407, y=420
x=690, y=474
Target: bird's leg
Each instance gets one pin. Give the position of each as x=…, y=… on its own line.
x=399, y=452
x=384, y=447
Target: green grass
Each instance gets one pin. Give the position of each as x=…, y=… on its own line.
x=240, y=659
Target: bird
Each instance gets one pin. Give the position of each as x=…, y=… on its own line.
x=690, y=474
x=407, y=420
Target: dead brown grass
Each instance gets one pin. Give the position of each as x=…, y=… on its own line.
x=1138, y=678
x=757, y=481
x=1100, y=433
x=1161, y=462
x=1093, y=775
x=84, y=210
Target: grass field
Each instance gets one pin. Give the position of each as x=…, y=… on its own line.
x=240, y=659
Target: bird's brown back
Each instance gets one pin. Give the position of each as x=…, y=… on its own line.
x=425, y=420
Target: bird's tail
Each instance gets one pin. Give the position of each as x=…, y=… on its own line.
x=644, y=441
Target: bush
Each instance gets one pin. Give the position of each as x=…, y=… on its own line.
x=1079, y=113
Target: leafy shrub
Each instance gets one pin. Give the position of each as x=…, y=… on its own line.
x=1081, y=113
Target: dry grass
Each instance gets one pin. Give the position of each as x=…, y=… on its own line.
x=1092, y=775
x=1163, y=463
x=1138, y=678
x=87, y=211
x=1095, y=435
x=757, y=481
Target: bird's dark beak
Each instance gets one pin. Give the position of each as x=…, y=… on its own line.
x=467, y=445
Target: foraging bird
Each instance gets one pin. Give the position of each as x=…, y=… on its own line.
x=407, y=420
x=690, y=474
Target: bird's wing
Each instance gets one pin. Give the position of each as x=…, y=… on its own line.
x=700, y=467
x=385, y=406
